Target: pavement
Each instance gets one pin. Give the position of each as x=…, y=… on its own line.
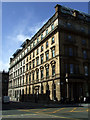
x=37, y=111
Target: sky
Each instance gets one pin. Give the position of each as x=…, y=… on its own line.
x=21, y=20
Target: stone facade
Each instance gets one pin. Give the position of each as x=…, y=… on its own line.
x=55, y=63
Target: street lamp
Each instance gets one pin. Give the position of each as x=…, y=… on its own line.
x=67, y=85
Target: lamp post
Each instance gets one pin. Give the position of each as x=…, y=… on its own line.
x=67, y=85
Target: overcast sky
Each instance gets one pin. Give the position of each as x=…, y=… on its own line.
x=22, y=20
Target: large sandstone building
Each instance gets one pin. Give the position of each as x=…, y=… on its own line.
x=55, y=63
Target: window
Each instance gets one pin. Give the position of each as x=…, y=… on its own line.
x=77, y=69
x=37, y=51
x=20, y=70
x=30, y=66
x=84, y=54
x=33, y=43
x=46, y=31
x=33, y=63
x=23, y=79
x=26, y=79
x=41, y=89
x=86, y=70
x=82, y=29
x=26, y=67
x=41, y=59
x=46, y=44
x=41, y=48
x=71, y=69
x=47, y=56
x=53, y=40
x=34, y=54
x=29, y=77
x=37, y=61
x=41, y=36
x=20, y=79
x=27, y=59
x=47, y=72
x=37, y=40
x=70, y=38
x=66, y=51
x=70, y=52
x=53, y=70
x=30, y=46
x=23, y=68
x=52, y=26
x=37, y=73
x=68, y=25
x=83, y=42
x=53, y=52
x=30, y=56
x=33, y=76
x=41, y=74
x=66, y=68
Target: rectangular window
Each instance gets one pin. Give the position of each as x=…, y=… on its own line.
x=77, y=69
x=33, y=43
x=37, y=51
x=30, y=46
x=37, y=61
x=84, y=42
x=66, y=70
x=29, y=77
x=27, y=59
x=30, y=66
x=23, y=79
x=26, y=67
x=41, y=36
x=37, y=74
x=20, y=70
x=53, y=40
x=34, y=54
x=30, y=56
x=53, y=70
x=71, y=69
x=41, y=48
x=47, y=72
x=41, y=74
x=47, y=56
x=52, y=26
x=33, y=63
x=86, y=70
x=33, y=76
x=70, y=52
x=53, y=53
x=23, y=68
x=37, y=40
x=46, y=31
x=41, y=59
x=66, y=51
x=84, y=54
x=26, y=79
x=46, y=44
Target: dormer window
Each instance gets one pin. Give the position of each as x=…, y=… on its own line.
x=41, y=36
x=46, y=31
x=52, y=26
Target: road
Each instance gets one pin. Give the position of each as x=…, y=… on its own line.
x=47, y=111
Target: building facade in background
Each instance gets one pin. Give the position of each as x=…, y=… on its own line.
x=55, y=63
x=4, y=78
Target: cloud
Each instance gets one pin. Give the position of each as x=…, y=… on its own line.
x=34, y=29
x=4, y=66
x=21, y=37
